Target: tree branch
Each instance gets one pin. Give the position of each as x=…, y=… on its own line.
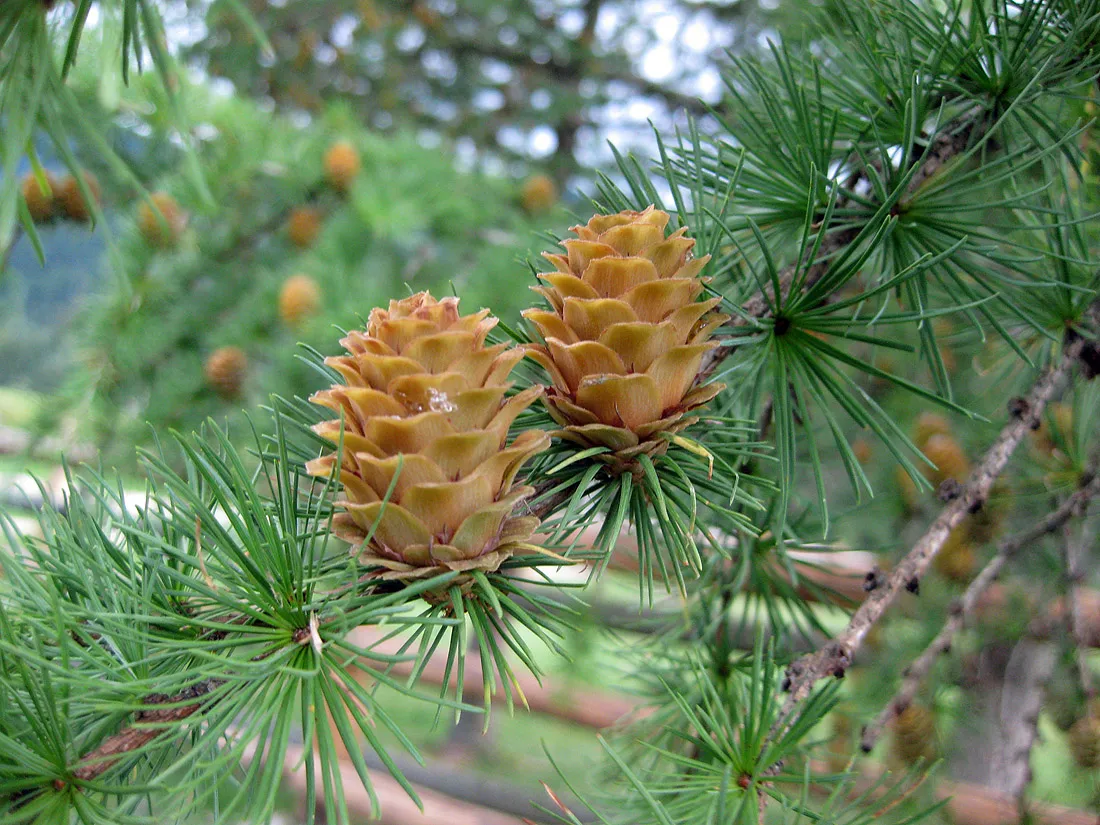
x=148, y=725
x=835, y=657
x=947, y=145
x=1074, y=556
x=1022, y=694
x=961, y=610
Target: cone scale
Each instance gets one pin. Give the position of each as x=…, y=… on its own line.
x=427, y=468
x=625, y=335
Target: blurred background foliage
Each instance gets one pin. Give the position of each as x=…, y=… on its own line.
x=478, y=130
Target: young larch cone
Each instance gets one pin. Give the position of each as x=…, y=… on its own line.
x=539, y=194
x=625, y=335
x=40, y=204
x=929, y=424
x=71, y=199
x=341, y=165
x=161, y=221
x=915, y=735
x=303, y=226
x=424, y=409
x=299, y=298
x=225, y=369
x=947, y=454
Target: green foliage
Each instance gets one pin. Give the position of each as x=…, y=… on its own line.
x=900, y=214
x=410, y=219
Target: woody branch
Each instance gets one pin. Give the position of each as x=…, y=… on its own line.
x=835, y=657
x=961, y=610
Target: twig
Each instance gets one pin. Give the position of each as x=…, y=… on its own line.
x=835, y=657
x=148, y=725
x=946, y=146
x=915, y=674
x=1074, y=556
x=542, y=507
x=1022, y=694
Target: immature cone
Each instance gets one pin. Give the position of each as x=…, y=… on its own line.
x=915, y=735
x=303, y=226
x=948, y=456
x=539, y=194
x=862, y=450
x=341, y=165
x=840, y=743
x=71, y=200
x=1084, y=741
x=929, y=424
x=225, y=370
x=625, y=335
x=424, y=403
x=161, y=222
x=40, y=204
x=957, y=560
x=299, y=298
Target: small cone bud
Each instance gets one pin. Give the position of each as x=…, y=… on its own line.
x=427, y=467
x=299, y=298
x=907, y=489
x=161, y=222
x=71, y=200
x=1084, y=741
x=957, y=559
x=948, y=456
x=225, y=370
x=928, y=425
x=342, y=166
x=914, y=735
x=861, y=449
x=40, y=204
x=625, y=335
x=539, y=194
x=303, y=226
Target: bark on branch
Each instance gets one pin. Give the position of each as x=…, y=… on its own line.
x=148, y=725
x=963, y=608
x=1074, y=555
x=835, y=657
x=948, y=145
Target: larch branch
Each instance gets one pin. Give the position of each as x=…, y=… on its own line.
x=148, y=725
x=1074, y=555
x=835, y=657
x=948, y=144
x=963, y=608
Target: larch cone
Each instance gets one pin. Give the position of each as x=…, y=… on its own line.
x=625, y=335
x=425, y=410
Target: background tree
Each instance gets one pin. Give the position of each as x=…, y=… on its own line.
x=514, y=83
x=854, y=307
